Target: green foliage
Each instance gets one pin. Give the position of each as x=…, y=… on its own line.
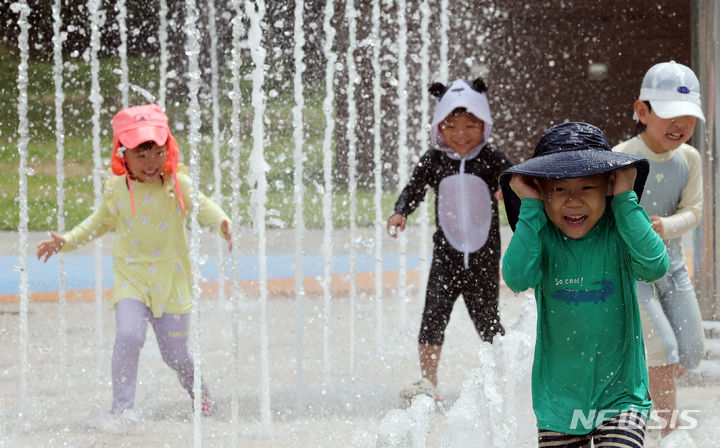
x=42, y=150
x=42, y=201
x=77, y=116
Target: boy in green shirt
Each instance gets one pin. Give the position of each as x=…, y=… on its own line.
x=581, y=242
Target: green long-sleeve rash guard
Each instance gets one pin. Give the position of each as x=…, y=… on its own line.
x=589, y=354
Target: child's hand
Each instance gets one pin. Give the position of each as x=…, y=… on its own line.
x=657, y=224
x=48, y=247
x=524, y=186
x=624, y=179
x=396, y=221
x=498, y=195
x=227, y=233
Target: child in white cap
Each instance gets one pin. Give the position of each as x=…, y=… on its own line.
x=144, y=202
x=463, y=171
x=666, y=112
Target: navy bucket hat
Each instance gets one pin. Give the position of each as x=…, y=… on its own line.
x=567, y=151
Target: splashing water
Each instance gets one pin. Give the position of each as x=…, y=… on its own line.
x=407, y=428
x=149, y=97
x=192, y=50
x=60, y=167
x=236, y=145
x=256, y=177
x=163, y=38
x=217, y=172
x=97, y=20
x=494, y=395
x=493, y=384
x=377, y=163
x=421, y=411
x=328, y=184
x=424, y=218
x=122, y=51
x=444, y=27
x=351, y=16
x=22, y=9
x=298, y=197
x=497, y=393
x=394, y=431
x=402, y=168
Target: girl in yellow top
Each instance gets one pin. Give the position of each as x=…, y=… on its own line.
x=145, y=203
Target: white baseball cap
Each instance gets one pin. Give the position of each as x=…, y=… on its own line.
x=673, y=91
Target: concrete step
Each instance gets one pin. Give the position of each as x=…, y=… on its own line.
x=706, y=374
x=712, y=329
x=712, y=348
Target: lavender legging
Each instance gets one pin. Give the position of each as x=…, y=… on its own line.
x=171, y=331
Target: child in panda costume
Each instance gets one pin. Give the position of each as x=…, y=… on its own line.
x=463, y=171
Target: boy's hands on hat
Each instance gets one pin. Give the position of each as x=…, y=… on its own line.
x=525, y=186
x=48, y=247
x=623, y=179
x=227, y=233
x=396, y=221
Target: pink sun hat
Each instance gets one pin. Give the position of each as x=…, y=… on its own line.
x=139, y=124
x=136, y=125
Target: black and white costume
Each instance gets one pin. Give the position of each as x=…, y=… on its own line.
x=466, y=251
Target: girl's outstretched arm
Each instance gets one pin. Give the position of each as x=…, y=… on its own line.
x=226, y=230
x=48, y=247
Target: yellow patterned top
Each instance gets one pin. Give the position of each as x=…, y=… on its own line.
x=151, y=257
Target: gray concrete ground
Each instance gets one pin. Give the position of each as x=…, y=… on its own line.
x=348, y=381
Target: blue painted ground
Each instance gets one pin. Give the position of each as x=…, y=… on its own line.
x=80, y=269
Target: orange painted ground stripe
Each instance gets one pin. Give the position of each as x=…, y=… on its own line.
x=281, y=287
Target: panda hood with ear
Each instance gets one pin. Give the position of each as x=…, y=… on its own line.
x=460, y=94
